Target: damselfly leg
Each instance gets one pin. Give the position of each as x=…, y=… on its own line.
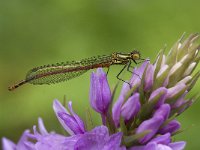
x=121, y=73
x=131, y=67
x=107, y=71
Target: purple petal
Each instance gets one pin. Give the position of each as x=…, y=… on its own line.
x=71, y=141
x=116, y=110
x=162, y=139
x=125, y=89
x=92, y=91
x=101, y=130
x=162, y=97
x=180, y=101
x=106, y=93
x=175, y=90
x=178, y=145
x=100, y=94
x=95, y=95
x=131, y=107
x=163, y=147
x=137, y=74
x=152, y=125
x=48, y=141
x=149, y=77
x=22, y=142
x=41, y=127
x=114, y=142
x=8, y=144
x=98, y=139
x=151, y=146
x=58, y=107
x=137, y=148
x=186, y=104
x=95, y=139
x=51, y=142
x=70, y=121
x=76, y=117
x=171, y=127
x=163, y=111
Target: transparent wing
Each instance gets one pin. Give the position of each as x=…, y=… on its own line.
x=59, y=72
x=56, y=78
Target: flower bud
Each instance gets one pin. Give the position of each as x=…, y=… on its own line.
x=100, y=94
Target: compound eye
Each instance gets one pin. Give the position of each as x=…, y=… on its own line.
x=136, y=56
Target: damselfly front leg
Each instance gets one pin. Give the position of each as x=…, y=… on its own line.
x=129, y=66
x=121, y=72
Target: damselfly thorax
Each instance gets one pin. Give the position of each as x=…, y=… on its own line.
x=55, y=73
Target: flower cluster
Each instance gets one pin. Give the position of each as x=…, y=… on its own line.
x=142, y=118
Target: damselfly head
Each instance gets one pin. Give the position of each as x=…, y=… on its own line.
x=135, y=55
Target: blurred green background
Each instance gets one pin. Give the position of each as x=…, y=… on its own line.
x=33, y=33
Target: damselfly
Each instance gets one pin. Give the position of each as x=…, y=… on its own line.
x=54, y=73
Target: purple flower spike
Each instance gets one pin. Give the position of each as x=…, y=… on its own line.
x=163, y=111
x=149, y=77
x=70, y=121
x=131, y=107
x=171, y=127
x=100, y=94
x=153, y=125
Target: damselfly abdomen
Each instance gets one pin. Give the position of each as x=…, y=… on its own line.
x=54, y=73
